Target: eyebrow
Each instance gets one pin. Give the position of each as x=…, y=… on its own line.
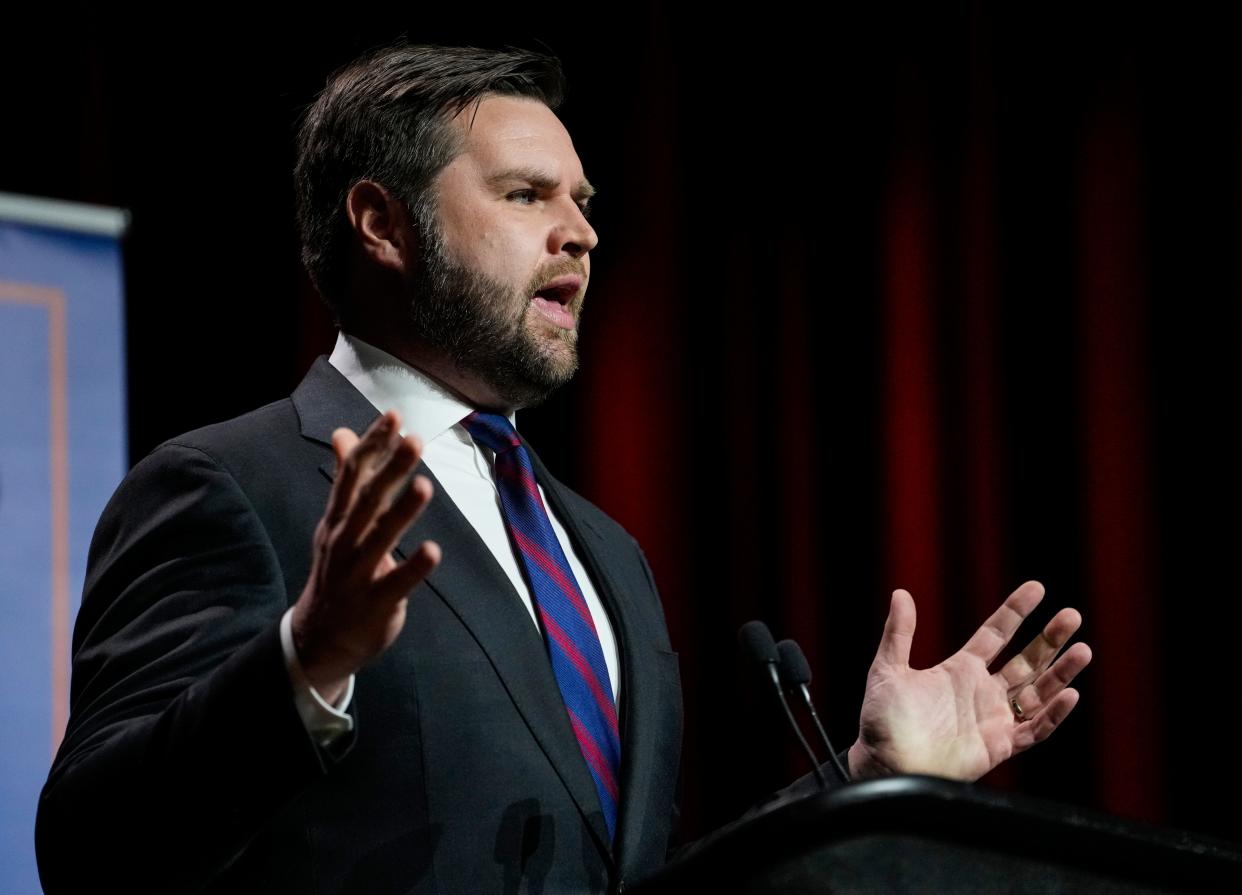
x=540, y=180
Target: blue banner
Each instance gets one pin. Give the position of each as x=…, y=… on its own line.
x=62, y=453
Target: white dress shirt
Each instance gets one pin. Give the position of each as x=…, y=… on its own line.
x=464, y=471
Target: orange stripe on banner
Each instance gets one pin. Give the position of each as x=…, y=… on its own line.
x=53, y=300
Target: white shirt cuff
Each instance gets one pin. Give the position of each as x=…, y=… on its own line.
x=325, y=723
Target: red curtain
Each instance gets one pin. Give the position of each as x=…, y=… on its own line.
x=910, y=326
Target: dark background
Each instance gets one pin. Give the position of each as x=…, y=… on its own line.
x=944, y=300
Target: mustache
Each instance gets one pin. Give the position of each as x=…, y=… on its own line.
x=557, y=269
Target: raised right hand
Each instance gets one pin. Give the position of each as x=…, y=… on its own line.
x=353, y=605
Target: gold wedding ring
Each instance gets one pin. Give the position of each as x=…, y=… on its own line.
x=1017, y=709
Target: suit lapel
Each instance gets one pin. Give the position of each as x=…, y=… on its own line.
x=472, y=584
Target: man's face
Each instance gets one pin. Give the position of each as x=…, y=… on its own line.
x=505, y=261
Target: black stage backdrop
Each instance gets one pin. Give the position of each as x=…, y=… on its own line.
x=938, y=300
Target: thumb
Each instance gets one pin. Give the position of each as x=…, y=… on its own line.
x=898, y=630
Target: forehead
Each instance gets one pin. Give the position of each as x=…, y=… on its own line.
x=511, y=132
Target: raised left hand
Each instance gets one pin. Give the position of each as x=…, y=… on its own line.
x=959, y=720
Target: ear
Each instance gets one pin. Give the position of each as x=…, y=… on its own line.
x=381, y=224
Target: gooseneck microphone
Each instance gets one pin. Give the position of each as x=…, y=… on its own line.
x=795, y=674
x=759, y=647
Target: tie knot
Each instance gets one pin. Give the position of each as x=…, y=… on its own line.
x=492, y=431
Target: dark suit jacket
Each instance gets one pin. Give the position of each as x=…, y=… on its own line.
x=186, y=767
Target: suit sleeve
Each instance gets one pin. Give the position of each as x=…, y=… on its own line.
x=183, y=738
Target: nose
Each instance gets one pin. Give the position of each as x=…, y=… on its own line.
x=573, y=234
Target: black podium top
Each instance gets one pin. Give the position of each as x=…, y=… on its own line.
x=924, y=834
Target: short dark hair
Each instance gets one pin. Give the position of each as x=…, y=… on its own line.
x=385, y=117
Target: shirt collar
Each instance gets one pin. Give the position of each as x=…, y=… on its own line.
x=427, y=408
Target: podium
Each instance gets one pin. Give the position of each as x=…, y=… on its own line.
x=924, y=834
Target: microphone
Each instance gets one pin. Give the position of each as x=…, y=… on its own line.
x=796, y=675
x=758, y=646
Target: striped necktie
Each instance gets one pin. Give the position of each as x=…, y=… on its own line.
x=573, y=644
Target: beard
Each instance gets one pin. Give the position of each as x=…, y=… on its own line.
x=490, y=329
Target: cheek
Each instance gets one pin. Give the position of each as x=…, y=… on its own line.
x=504, y=250
x=479, y=247
x=507, y=254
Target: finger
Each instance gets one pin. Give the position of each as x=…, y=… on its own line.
x=343, y=441
x=352, y=454
x=393, y=523
x=1031, y=697
x=398, y=583
x=898, y=630
x=1034, y=660
x=1059, y=676
x=998, y=630
x=375, y=494
x=1042, y=725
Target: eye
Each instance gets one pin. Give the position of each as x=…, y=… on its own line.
x=522, y=197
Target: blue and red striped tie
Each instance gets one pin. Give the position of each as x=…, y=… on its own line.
x=573, y=644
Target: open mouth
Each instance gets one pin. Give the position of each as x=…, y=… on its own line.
x=561, y=290
x=553, y=301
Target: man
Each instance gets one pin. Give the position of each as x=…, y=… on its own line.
x=295, y=669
